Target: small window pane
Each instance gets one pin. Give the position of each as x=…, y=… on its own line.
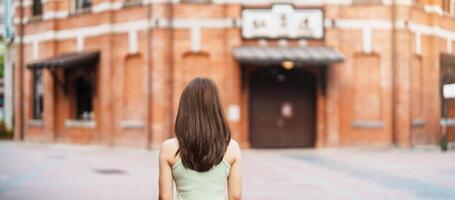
x=83, y=4
x=84, y=98
x=38, y=95
x=37, y=8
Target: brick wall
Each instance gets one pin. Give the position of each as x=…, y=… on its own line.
x=145, y=64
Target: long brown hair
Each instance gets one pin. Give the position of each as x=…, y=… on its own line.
x=201, y=128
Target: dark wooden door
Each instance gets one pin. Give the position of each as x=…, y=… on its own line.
x=282, y=108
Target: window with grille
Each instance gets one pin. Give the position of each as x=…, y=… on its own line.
x=37, y=95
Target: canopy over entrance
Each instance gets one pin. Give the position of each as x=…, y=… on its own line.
x=276, y=55
x=68, y=60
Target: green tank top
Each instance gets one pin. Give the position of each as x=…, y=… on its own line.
x=194, y=185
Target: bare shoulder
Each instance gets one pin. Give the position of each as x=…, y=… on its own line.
x=234, y=145
x=233, y=152
x=168, y=149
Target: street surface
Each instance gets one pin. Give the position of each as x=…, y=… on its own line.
x=59, y=171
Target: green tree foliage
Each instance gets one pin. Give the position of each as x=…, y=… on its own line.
x=1, y=66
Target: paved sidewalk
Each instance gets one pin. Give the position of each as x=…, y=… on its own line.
x=57, y=171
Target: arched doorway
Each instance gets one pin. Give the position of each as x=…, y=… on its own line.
x=282, y=108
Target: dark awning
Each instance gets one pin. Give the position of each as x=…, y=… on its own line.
x=276, y=55
x=68, y=60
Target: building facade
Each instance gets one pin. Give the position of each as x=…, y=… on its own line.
x=324, y=73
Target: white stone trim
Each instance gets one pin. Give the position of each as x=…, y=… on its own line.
x=55, y=14
x=84, y=31
x=130, y=124
x=367, y=41
x=255, y=2
x=139, y=25
x=362, y=23
x=42, y=36
x=447, y=121
x=444, y=33
x=107, y=6
x=35, y=123
x=400, y=24
x=35, y=50
x=132, y=42
x=328, y=23
x=418, y=123
x=16, y=20
x=421, y=28
x=432, y=30
x=205, y=23
x=449, y=45
x=124, y=27
x=300, y=2
x=25, y=3
x=145, y=2
x=80, y=43
x=162, y=22
x=385, y=24
x=71, y=123
x=373, y=124
x=418, y=45
x=398, y=2
x=433, y=9
x=196, y=39
x=238, y=22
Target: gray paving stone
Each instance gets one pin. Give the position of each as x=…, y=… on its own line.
x=59, y=171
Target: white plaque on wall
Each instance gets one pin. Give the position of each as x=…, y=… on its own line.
x=233, y=113
x=283, y=21
x=448, y=90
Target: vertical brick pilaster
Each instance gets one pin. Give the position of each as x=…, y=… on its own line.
x=402, y=102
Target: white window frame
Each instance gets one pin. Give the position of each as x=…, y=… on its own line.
x=75, y=9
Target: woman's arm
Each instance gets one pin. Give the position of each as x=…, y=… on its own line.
x=235, y=176
x=165, y=176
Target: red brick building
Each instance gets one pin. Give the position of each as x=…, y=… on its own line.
x=296, y=73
